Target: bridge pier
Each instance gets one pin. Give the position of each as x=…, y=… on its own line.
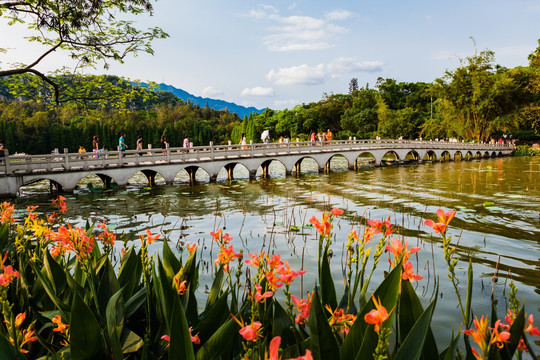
x=298, y=167
x=264, y=167
x=230, y=168
x=252, y=175
x=191, y=170
x=106, y=181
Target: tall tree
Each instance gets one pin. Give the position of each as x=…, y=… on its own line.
x=353, y=85
x=87, y=30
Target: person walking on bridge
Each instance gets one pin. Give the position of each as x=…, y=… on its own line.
x=122, y=142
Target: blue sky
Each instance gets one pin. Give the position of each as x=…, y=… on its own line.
x=279, y=54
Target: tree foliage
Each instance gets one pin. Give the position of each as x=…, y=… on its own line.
x=91, y=32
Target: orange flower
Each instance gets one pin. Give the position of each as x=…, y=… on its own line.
x=149, y=238
x=167, y=338
x=227, y=255
x=376, y=316
x=288, y=275
x=480, y=336
x=308, y=356
x=258, y=297
x=60, y=204
x=249, y=332
x=303, y=306
x=273, y=349
x=6, y=213
x=28, y=337
x=106, y=237
x=324, y=227
x=255, y=259
x=194, y=339
x=378, y=226
x=272, y=280
x=192, y=247
x=341, y=320
x=8, y=275
x=408, y=273
x=19, y=319
x=74, y=240
x=60, y=326
x=443, y=218
x=400, y=250
x=337, y=212
x=180, y=286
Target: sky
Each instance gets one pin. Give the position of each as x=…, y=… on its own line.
x=280, y=54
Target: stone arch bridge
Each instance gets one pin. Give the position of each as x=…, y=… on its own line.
x=65, y=170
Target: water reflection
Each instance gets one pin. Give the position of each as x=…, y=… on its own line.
x=498, y=219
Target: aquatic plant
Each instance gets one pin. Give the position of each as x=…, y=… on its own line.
x=66, y=294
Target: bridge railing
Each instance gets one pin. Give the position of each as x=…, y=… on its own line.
x=61, y=162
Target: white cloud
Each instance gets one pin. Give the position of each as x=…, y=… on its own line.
x=257, y=91
x=338, y=15
x=293, y=33
x=312, y=75
x=303, y=74
x=350, y=65
x=210, y=91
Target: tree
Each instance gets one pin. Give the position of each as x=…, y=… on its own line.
x=473, y=99
x=353, y=85
x=88, y=30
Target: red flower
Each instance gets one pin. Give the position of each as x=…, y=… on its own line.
x=337, y=212
x=258, y=297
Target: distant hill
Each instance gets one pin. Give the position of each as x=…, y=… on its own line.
x=212, y=103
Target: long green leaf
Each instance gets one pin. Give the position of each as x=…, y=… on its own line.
x=85, y=333
x=129, y=276
x=328, y=290
x=215, y=290
x=220, y=343
x=4, y=236
x=55, y=273
x=213, y=318
x=414, y=342
x=469, y=293
x=323, y=343
x=181, y=347
x=170, y=261
x=362, y=340
x=135, y=302
x=108, y=285
x=7, y=351
x=115, y=323
x=410, y=310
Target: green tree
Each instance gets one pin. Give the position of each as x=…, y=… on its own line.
x=475, y=100
x=89, y=31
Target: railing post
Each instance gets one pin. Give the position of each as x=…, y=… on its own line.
x=252, y=147
x=168, y=153
x=119, y=155
x=6, y=161
x=212, y=150
x=66, y=159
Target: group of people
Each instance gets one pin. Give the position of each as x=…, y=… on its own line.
x=323, y=137
x=123, y=146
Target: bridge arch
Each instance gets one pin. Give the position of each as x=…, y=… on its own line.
x=364, y=157
x=265, y=166
x=430, y=155
x=443, y=156
x=388, y=154
x=321, y=162
x=336, y=157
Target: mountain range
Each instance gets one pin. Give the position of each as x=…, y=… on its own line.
x=212, y=103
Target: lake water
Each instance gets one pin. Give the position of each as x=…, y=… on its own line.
x=498, y=221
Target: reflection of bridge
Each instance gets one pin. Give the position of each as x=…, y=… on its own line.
x=66, y=170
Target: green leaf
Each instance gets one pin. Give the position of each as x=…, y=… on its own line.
x=283, y=326
x=220, y=343
x=362, y=339
x=108, y=286
x=181, y=347
x=7, y=351
x=4, y=236
x=131, y=342
x=170, y=262
x=410, y=311
x=450, y=351
x=323, y=343
x=115, y=323
x=213, y=318
x=55, y=273
x=85, y=333
x=414, y=342
x=215, y=291
x=469, y=293
x=135, y=302
x=129, y=276
x=328, y=290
